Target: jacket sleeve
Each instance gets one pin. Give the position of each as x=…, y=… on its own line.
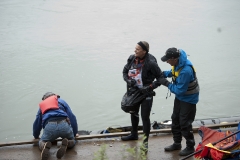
x=167, y=74
x=127, y=66
x=71, y=116
x=37, y=125
x=157, y=74
x=183, y=80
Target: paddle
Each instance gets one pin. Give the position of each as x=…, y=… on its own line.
x=190, y=155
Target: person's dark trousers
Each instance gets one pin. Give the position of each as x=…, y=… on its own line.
x=182, y=118
x=146, y=106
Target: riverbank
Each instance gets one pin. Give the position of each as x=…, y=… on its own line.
x=85, y=149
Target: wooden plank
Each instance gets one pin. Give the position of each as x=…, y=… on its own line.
x=168, y=130
x=18, y=143
x=119, y=134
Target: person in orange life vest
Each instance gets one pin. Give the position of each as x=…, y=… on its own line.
x=142, y=72
x=186, y=89
x=57, y=120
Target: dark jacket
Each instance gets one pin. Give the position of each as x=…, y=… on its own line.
x=150, y=70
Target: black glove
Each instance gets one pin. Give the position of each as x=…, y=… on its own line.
x=164, y=82
x=146, y=89
x=131, y=82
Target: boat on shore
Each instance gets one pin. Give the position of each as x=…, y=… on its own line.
x=165, y=126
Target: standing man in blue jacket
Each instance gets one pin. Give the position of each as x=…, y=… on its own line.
x=186, y=89
x=57, y=120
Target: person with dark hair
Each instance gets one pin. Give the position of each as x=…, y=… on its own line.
x=186, y=89
x=57, y=120
x=140, y=72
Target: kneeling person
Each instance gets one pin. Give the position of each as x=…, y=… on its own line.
x=57, y=120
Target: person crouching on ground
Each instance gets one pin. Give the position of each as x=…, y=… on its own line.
x=140, y=71
x=186, y=89
x=57, y=120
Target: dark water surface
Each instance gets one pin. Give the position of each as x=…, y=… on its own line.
x=77, y=49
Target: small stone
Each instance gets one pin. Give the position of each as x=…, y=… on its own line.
x=110, y=145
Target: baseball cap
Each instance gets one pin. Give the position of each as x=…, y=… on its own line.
x=171, y=53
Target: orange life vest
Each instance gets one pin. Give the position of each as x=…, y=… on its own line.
x=49, y=103
x=211, y=136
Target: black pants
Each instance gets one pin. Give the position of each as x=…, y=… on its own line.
x=146, y=106
x=182, y=118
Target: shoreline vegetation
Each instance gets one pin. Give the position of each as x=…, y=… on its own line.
x=139, y=152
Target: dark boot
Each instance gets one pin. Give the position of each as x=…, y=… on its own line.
x=61, y=151
x=132, y=136
x=186, y=151
x=174, y=146
x=45, y=147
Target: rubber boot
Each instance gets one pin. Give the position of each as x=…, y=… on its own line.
x=62, y=150
x=132, y=136
x=186, y=151
x=45, y=147
x=190, y=143
x=174, y=146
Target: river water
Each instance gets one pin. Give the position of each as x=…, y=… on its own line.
x=77, y=49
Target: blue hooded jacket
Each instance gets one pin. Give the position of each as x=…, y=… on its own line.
x=185, y=76
x=64, y=111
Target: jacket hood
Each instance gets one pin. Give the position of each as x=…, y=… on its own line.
x=183, y=60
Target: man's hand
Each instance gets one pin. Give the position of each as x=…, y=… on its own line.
x=131, y=82
x=164, y=82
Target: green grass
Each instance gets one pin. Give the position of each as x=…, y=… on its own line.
x=134, y=153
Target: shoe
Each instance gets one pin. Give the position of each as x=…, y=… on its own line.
x=186, y=151
x=174, y=146
x=45, y=150
x=130, y=137
x=71, y=143
x=62, y=150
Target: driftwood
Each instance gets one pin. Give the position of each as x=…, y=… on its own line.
x=119, y=134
